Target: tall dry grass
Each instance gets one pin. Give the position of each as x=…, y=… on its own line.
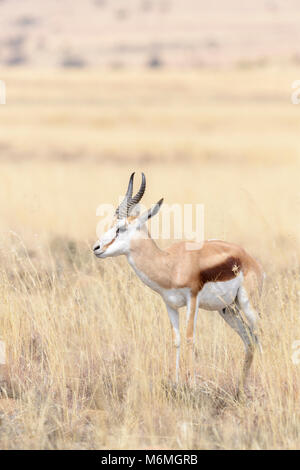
x=88, y=345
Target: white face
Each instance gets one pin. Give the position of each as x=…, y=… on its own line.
x=116, y=241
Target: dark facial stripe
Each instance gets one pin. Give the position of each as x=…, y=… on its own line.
x=108, y=244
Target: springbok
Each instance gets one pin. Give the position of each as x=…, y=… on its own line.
x=219, y=276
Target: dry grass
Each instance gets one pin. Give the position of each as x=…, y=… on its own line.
x=131, y=116
x=87, y=344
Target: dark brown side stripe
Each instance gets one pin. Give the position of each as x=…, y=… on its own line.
x=224, y=271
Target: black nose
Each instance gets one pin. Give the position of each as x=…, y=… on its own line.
x=96, y=247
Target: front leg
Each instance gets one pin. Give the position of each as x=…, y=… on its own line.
x=191, y=317
x=174, y=319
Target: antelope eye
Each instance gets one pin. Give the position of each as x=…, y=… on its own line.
x=117, y=232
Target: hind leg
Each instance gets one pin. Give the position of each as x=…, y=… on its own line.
x=250, y=313
x=234, y=319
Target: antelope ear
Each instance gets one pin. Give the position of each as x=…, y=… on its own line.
x=150, y=213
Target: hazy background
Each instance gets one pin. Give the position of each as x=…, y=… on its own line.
x=198, y=96
x=150, y=33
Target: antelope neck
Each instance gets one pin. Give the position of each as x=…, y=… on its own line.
x=147, y=258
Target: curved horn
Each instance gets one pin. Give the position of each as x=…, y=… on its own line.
x=139, y=194
x=122, y=209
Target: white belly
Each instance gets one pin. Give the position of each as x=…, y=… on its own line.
x=213, y=296
x=216, y=295
x=176, y=298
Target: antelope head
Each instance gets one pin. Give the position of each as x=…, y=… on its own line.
x=126, y=223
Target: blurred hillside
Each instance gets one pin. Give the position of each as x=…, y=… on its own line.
x=154, y=33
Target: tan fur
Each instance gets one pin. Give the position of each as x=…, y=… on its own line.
x=178, y=267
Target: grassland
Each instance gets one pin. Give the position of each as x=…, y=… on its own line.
x=87, y=344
